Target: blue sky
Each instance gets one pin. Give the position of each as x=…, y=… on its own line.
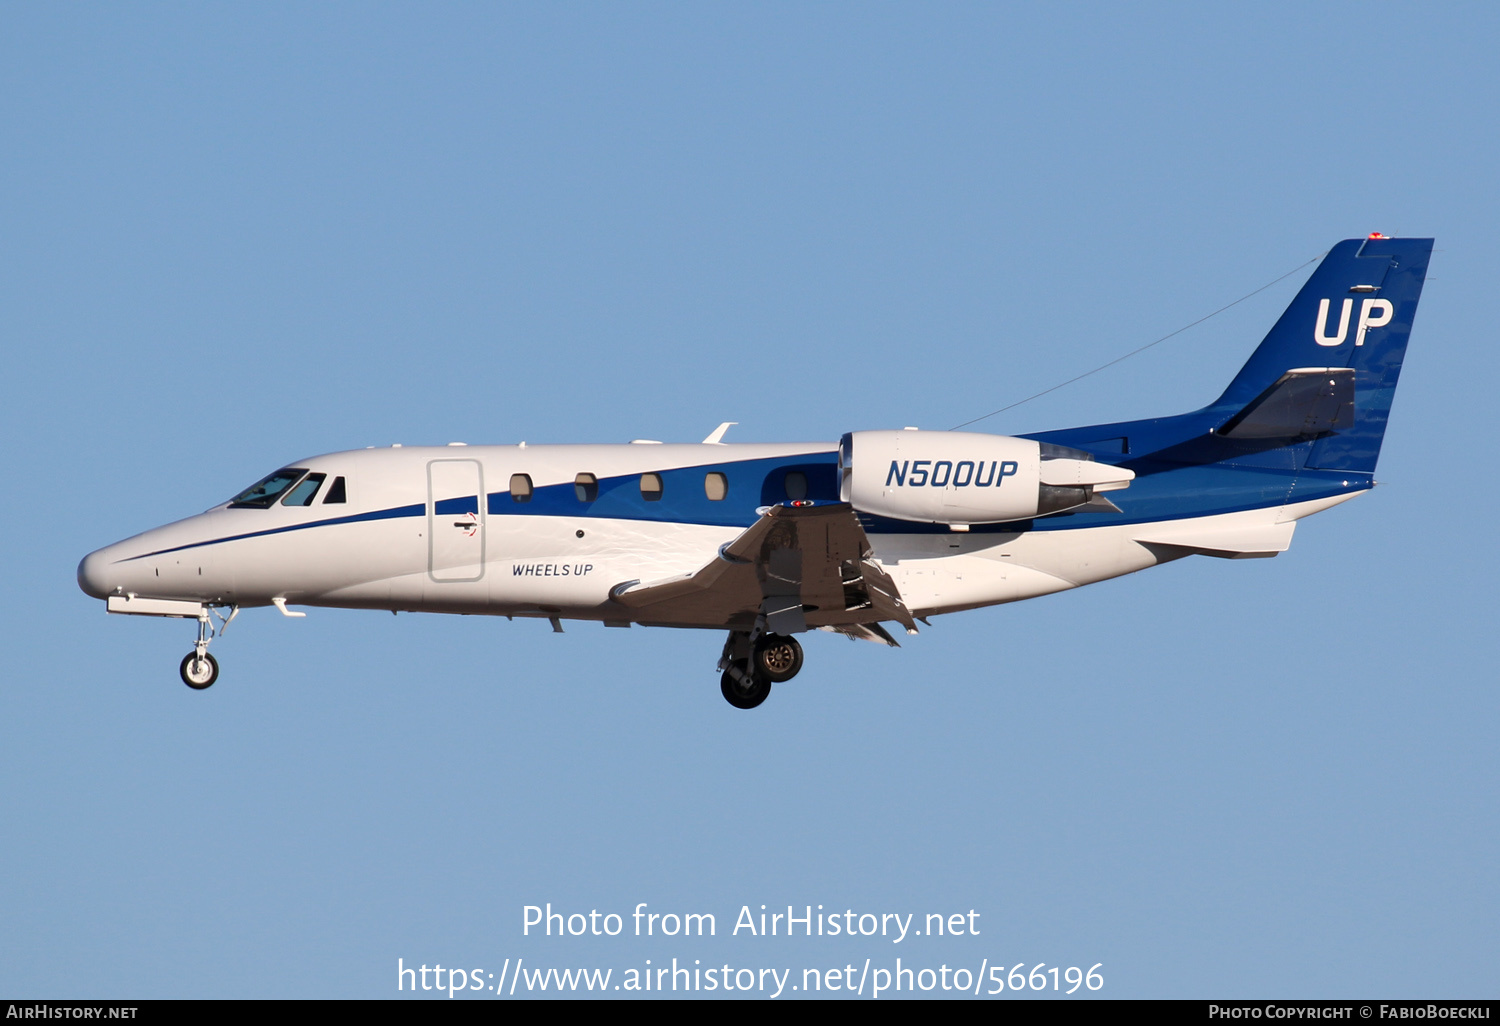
x=239, y=235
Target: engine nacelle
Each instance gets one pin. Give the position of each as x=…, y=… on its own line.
x=961, y=478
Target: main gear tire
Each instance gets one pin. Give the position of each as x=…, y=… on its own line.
x=778, y=658
x=739, y=694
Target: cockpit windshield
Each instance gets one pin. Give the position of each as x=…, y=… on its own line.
x=266, y=491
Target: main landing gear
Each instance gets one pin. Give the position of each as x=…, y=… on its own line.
x=199, y=670
x=751, y=664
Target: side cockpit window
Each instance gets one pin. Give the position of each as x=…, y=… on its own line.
x=336, y=493
x=305, y=492
x=266, y=491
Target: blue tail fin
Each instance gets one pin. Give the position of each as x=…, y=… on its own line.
x=1315, y=395
x=1354, y=314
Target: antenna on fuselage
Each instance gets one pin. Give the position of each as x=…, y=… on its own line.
x=716, y=437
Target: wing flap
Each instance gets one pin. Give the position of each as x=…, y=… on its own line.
x=864, y=632
x=800, y=567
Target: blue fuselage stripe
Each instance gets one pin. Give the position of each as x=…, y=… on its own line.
x=380, y=514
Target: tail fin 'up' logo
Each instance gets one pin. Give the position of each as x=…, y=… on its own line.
x=1373, y=313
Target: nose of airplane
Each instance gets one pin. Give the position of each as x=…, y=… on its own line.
x=93, y=574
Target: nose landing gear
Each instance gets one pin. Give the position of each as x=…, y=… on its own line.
x=752, y=662
x=198, y=669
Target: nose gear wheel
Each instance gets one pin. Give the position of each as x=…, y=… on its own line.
x=199, y=670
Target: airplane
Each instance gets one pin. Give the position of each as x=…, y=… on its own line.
x=769, y=541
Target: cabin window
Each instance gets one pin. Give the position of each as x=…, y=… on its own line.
x=305, y=492
x=715, y=485
x=651, y=488
x=796, y=485
x=586, y=487
x=267, y=490
x=335, y=493
x=520, y=487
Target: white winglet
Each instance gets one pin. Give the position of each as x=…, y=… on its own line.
x=717, y=437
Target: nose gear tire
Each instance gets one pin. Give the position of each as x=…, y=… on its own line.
x=199, y=673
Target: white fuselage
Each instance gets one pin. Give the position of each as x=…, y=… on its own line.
x=439, y=529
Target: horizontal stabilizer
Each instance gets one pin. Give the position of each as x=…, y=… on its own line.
x=1231, y=540
x=1303, y=403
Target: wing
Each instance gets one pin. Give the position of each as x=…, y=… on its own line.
x=800, y=567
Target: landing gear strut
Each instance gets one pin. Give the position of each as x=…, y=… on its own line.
x=752, y=662
x=199, y=670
